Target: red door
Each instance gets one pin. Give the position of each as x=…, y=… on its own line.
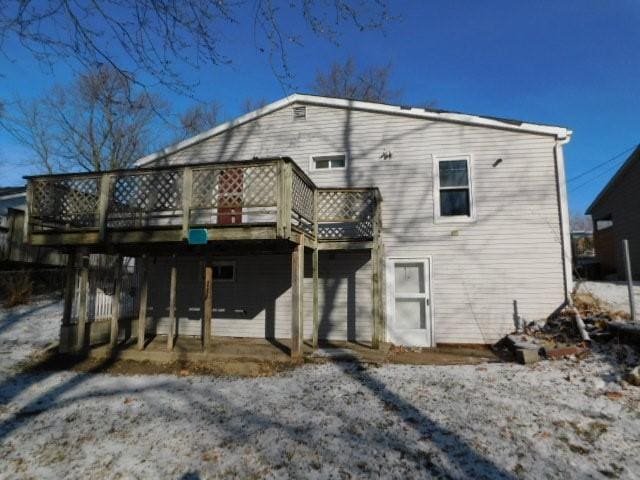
x=230, y=184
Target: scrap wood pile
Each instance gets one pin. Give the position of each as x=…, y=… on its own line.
x=569, y=333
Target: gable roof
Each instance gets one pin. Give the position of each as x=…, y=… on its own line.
x=635, y=156
x=415, y=112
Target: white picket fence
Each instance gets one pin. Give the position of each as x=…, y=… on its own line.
x=101, y=290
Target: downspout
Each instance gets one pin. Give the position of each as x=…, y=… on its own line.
x=565, y=233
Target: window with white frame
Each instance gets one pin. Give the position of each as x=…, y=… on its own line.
x=328, y=162
x=453, y=188
x=224, y=271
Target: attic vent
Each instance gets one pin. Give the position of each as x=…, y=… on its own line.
x=299, y=113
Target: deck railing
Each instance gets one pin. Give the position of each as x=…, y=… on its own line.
x=272, y=192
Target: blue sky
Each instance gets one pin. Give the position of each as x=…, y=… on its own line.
x=569, y=63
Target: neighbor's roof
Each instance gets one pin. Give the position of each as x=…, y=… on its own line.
x=415, y=112
x=635, y=156
x=11, y=191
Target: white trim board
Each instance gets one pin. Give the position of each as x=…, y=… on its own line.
x=414, y=112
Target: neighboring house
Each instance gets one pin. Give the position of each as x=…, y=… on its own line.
x=14, y=253
x=616, y=216
x=11, y=199
x=585, y=264
x=421, y=226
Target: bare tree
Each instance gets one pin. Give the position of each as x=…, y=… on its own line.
x=251, y=104
x=345, y=80
x=162, y=37
x=29, y=124
x=101, y=121
x=581, y=223
x=197, y=119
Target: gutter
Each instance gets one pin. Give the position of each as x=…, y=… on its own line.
x=565, y=233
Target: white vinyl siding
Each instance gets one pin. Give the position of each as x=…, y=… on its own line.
x=258, y=303
x=511, y=251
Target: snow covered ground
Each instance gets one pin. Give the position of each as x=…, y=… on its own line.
x=562, y=419
x=614, y=294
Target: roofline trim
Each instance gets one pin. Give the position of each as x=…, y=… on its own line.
x=627, y=163
x=13, y=195
x=558, y=132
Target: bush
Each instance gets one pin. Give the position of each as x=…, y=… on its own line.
x=17, y=288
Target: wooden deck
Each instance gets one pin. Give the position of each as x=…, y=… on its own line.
x=266, y=199
x=150, y=212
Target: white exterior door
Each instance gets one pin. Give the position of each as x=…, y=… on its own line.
x=409, y=302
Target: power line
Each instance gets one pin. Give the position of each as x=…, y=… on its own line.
x=601, y=164
x=613, y=167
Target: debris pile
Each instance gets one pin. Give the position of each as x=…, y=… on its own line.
x=569, y=333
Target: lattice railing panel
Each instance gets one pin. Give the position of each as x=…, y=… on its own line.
x=338, y=205
x=346, y=214
x=68, y=201
x=134, y=196
x=302, y=201
x=339, y=231
x=243, y=186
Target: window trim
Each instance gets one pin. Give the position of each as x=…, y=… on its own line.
x=225, y=263
x=312, y=162
x=437, y=217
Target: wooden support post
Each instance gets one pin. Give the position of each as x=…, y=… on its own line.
x=376, y=278
x=375, y=274
x=144, y=293
x=172, y=305
x=316, y=307
x=69, y=288
x=115, y=303
x=315, y=265
x=82, y=307
x=103, y=204
x=207, y=307
x=285, y=199
x=26, y=225
x=187, y=183
x=297, y=298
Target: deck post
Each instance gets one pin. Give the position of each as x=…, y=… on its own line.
x=69, y=288
x=316, y=309
x=297, y=297
x=26, y=225
x=284, y=199
x=144, y=294
x=115, y=303
x=69, y=298
x=376, y=278
x=187, y=185
x=82, y=307
x=315, y=263
x=207, y=307
x=172, y=305
x=103, y=204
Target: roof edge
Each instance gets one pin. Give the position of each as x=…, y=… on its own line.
x=609, y=185
x=560, y=133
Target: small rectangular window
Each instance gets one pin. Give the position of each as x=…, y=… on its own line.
x=224, y=272
x=328, y=162
x=453, y=188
